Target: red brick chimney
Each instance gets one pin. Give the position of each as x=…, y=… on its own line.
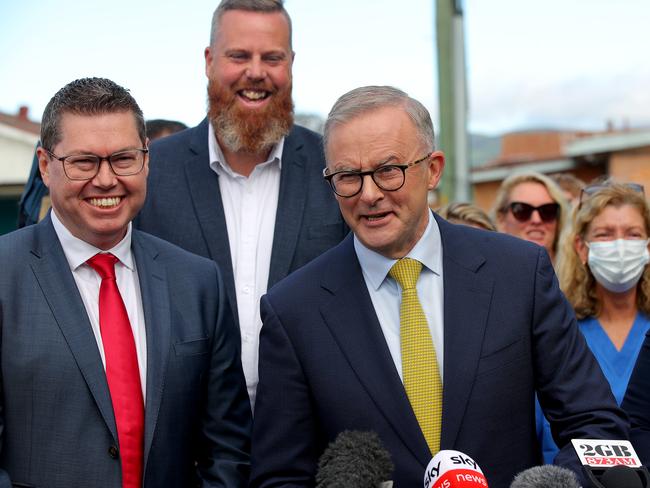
x=22, y=112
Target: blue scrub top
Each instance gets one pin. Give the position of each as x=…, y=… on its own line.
x=617, y=367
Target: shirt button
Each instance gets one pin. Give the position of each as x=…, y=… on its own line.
x=113, y=452
x=246, y=289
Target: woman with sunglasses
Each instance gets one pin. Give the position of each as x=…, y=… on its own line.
x=532, y=207
x=603, y=272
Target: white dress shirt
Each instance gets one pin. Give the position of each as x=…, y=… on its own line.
x=249, y=205
x=88, y=281
x=386, y=294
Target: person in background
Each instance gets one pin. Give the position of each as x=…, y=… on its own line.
x=159, y=128
x=119, y=352
x=570, y=185
x=532, y=207
x=466, y=214
x=603, y=271
x=244, y=187
x=35, y=200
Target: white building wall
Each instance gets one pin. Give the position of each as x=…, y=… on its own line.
x=16, y=153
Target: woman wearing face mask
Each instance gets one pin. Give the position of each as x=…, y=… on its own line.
x=603, y=272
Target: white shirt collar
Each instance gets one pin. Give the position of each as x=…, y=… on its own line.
x=428, y=250
x=218, y=161
x=77, y=251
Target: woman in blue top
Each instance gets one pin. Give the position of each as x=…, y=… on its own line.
x=603, y=272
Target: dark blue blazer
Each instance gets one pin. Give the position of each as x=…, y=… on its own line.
x=508, y=333
x=637, y=402
x=183, y=204
x=58, y=427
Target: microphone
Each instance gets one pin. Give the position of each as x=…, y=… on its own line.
x=622, y=477
x=453, y=469
x=547, y=476
x=611, y=464
x=355, y=459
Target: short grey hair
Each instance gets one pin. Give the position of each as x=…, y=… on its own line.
x=369, y=98
x=88, y=96
x=263, y=6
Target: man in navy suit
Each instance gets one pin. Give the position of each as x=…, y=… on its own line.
x=244, y=187
x=122, y=374
x=492, y=319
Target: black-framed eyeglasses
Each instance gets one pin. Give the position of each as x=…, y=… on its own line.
x=521, y=211
x=595, y=188
x=389, y=177
x=81, y=167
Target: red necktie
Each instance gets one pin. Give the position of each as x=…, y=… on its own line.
x=122, y=371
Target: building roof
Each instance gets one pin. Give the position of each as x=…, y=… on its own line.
x=21, y=121
x=570, y=149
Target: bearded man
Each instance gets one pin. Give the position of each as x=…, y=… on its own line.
x=245, y=186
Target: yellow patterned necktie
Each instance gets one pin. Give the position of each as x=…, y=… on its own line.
x=419, y=363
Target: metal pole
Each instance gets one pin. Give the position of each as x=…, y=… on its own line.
x=452, y=95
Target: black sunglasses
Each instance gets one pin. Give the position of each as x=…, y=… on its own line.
x=595, y=188
x=522, y=211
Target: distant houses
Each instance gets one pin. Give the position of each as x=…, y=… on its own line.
x=18, y=137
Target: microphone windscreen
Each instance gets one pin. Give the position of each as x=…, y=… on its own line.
x=547, y=476
x=354, y=459
x=620, y=477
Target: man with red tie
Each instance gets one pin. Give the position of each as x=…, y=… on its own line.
x=119, y=352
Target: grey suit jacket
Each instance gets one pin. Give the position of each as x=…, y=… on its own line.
x=183, y=204
x=58, y=427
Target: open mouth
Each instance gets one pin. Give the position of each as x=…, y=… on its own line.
x=106, y=202
x=254, y=95
x=376, y=217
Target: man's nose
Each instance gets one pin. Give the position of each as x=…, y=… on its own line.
x=255, y=70
x=105, y=176
x=370, y=192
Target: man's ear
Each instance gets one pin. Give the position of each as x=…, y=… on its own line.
x=207, y=54
x=436, y=166
x=43, y=165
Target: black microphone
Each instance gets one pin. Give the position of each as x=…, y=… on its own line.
x=624, y=477
x=547, y=476
x=355, y=459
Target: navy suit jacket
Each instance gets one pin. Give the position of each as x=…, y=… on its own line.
x=58, y=427
x=637, y=402
x=508, y=333
x=183, y=204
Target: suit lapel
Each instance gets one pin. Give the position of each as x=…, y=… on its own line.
x=291, y=204
x=154, y=289
x=464, y=325
x=52, y=271
x=203, y=185
x=354, y=324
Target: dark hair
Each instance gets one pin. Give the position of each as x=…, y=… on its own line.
x=157, y=128
x=87, y=96
x=264, y=6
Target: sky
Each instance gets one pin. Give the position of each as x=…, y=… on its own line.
x=572, y=64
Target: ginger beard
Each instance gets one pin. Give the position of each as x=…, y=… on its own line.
x=252, y=131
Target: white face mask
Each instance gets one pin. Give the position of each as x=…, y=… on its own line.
x=618, y=265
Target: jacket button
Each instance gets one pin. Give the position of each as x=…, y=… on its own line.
x=113, y=452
